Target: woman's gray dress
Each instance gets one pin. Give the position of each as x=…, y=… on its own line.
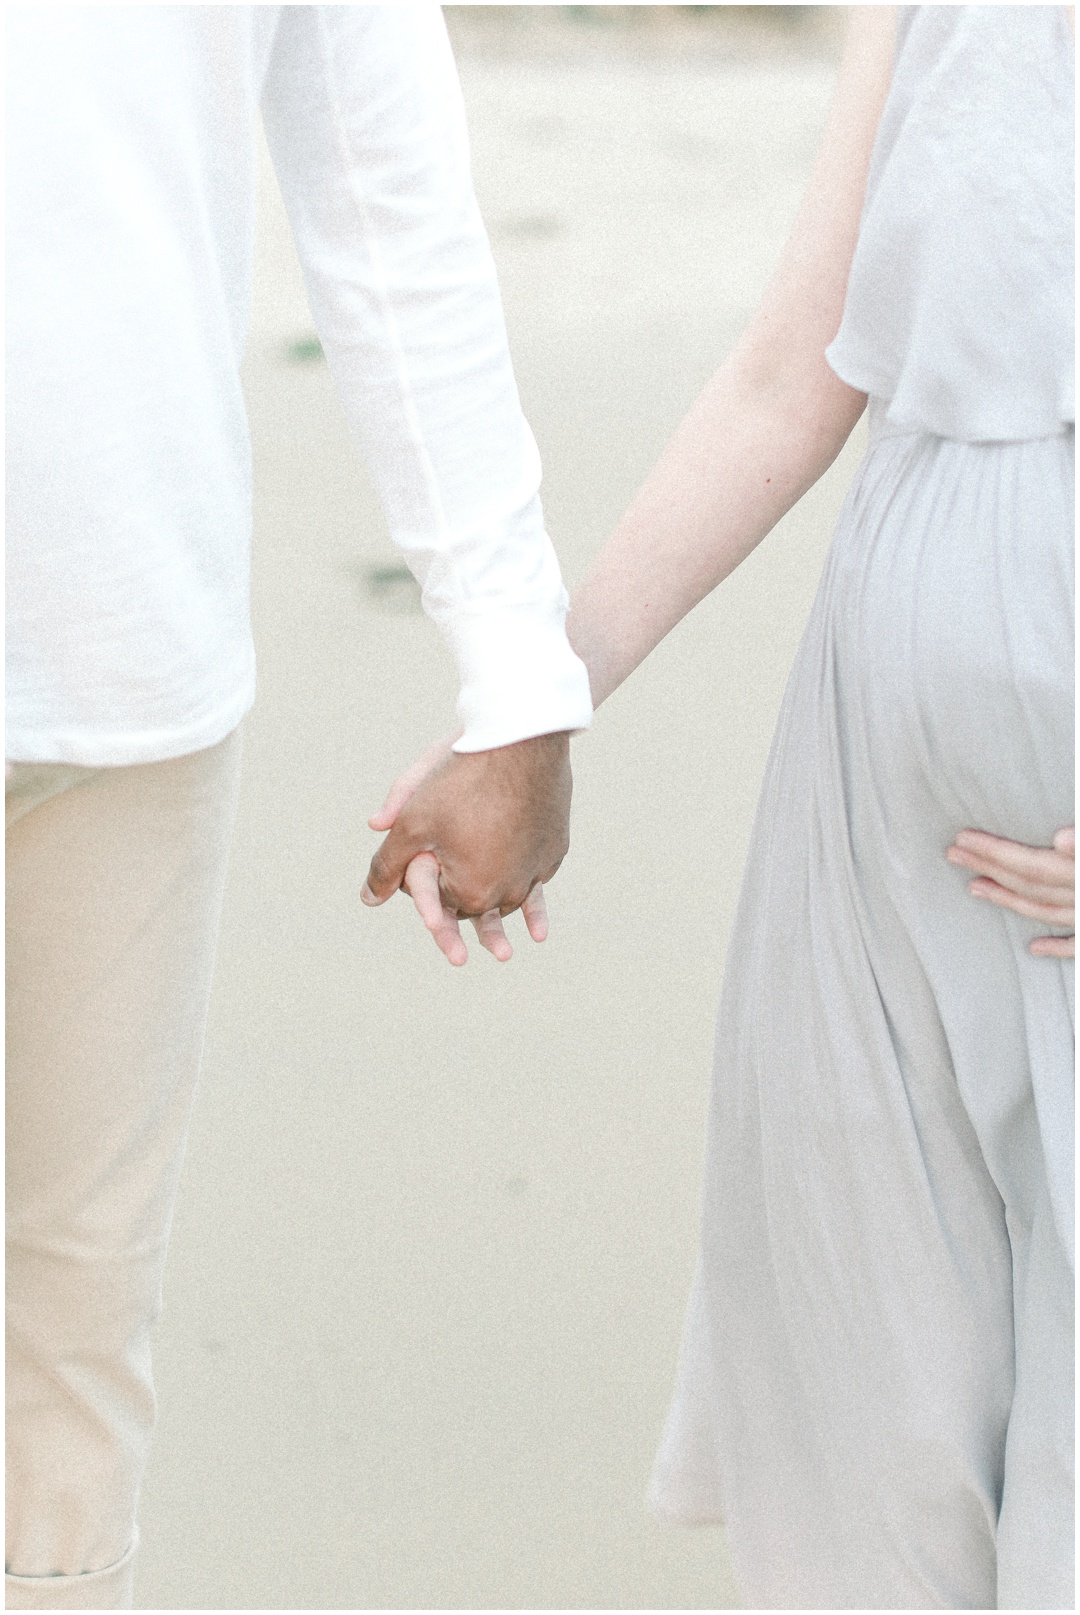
x=875, y=1387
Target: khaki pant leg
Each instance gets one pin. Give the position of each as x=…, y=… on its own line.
x=114, y=886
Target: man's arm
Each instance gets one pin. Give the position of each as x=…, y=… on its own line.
x=366, y=127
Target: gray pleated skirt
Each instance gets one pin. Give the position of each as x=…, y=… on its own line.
x=875, y=1386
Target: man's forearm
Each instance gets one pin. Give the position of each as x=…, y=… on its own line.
x=366, y=125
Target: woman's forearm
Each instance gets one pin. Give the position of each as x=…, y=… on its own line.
x=770, y=421
x=737, y=463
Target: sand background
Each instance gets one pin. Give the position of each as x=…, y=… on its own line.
x=437, y=1228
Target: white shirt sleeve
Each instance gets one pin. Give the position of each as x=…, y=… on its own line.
x=366, y=127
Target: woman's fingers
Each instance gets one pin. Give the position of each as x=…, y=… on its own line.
x=492, y=936
x=406, y=783
x=1049, y=913
x=422, y=884
x=535, y=912
x=1053, y=947
x=1035, y=882
x=489, y=927
x=1037, y=872
x=1042, y=875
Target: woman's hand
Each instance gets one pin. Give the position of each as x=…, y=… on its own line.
x=422, y=876
x=406, y=784
x=1037, y=882
x=422, y=885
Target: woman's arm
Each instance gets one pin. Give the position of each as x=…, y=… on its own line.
x=768, y=424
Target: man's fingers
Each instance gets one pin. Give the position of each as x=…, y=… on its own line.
x=422, y=885
x=489, y=929
x=1053, y=947
x=1065, y=842
x=386, y=873
x=535, y=912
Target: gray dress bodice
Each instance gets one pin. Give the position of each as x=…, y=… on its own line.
x=959, y=308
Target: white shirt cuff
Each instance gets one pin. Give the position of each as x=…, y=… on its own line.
x=519, y=677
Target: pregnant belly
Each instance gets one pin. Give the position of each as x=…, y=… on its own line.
x=949, y=603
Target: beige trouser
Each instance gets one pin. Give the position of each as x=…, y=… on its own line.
x=114, y=884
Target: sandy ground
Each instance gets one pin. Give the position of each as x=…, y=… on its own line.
x=437, y=1228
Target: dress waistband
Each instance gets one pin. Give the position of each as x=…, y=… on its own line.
x=879, y=426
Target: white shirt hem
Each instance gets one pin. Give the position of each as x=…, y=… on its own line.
x=98, y=750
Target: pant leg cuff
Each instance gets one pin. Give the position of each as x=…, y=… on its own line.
x=111, y=1588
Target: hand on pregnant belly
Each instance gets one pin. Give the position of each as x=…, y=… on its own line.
x=1038, y=882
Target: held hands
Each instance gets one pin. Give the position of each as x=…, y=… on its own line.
x=1038, y=882
x=473, y=835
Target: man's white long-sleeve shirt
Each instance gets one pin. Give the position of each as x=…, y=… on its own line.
x=131, y=214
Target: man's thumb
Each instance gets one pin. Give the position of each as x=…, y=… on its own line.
x=387, y=870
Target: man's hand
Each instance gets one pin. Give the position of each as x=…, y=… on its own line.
x=1038, y=882
x=479, y=832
